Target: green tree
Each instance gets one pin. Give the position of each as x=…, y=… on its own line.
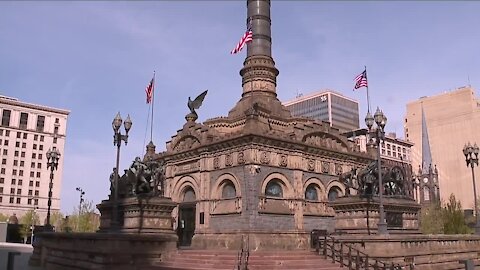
x=56, y=219
x=84, y=219
x=454, y=220
x=432, y=219
x=27, y=220
x=3, y=217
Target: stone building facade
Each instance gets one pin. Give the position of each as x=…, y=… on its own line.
x=258, y=173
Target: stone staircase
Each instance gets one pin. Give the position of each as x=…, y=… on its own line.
x=228, y=260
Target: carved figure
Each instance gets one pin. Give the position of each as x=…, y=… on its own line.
x=196, y=103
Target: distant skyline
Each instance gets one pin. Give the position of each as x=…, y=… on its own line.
x=96, y=58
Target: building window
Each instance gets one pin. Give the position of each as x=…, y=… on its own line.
x=34, y=146
x=37, y=193
x=19, y=191
x=2, y=180
x=54, y=140
x=17, y=144
x=19, y=200
x=7, y=133
x=32, y=165
x=32, y=174
x=23, y=120
x=274, y=189
x=2, y=170
x=24, y=145
x=389, y=153
x=12, y=191
x=38, y=174
x=35, y=202
x=5, y=152
x=16, y=153
x=30, y=184
x=40, y=123
x=1, y=190
x=39, y=165
x=4, y=161
x=394, y=154
x=14, y=172
x=334, y=193
x=20, y=182
x=40, y=147
x=388, y=146
x=30, y=192
x=55, y=130
x=311, y=193
x=42, y=138
x=29, y=201
x=1, y=132
x=39, y=156
x=22, y=154
x=228, y=190
x=5, y=142
x=20, y=173
x=37, y=183
x=57, y=120
x=6, y=118
x=19, y=135
x=14, y=181
x=34, y=155
x=189, y=195
x=35, y=137
x=11, y=199
x=25, y=136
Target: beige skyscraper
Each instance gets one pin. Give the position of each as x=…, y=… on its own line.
x=27, y=131
x=452, y=119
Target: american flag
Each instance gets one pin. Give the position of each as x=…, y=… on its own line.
x=149, y=90
x=247, y=37
x=361, y=80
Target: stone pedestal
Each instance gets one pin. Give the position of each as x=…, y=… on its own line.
x=360, y=215
x=139, y=215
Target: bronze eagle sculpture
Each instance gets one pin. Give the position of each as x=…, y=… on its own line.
x=197, y=102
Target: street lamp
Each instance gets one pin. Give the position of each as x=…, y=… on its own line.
x=117, y=140
x=52, y=162
x=470, y=151
x=379, y=134
x=80, y=206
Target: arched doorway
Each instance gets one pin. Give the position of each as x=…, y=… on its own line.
x=186, y=218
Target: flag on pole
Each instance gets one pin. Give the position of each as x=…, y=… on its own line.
x=361, y=80
x=149, y=90
x=247, y=37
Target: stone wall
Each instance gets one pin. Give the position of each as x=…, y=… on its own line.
x=102, y=251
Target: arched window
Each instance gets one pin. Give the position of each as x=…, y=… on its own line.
x=274, y=189
x=228, y=190
x=426, y=193
x=189, y=195
x=311, y=193
x=334, y=193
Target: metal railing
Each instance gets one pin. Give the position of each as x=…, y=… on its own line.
x=348, y=256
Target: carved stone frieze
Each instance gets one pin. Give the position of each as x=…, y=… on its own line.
x=311, y=164
x=228, y=160
x=338, y=169
x=325, y=167
x=216, y=163
x=283, y=161
x=241, y=158
x=265, y=157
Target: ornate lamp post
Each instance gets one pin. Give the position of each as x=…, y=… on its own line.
x=378, y=133
x=52, y=162
x=471, y=158
x=117, y=141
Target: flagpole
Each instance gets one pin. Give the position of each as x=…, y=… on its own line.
x=153, y=105
x=368, y=96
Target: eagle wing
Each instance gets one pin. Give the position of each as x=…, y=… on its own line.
x=199, y=100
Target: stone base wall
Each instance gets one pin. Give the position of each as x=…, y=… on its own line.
x=254, y=241
x=434, y=252
x=82, y=251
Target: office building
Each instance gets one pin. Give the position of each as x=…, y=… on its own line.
x=340, y=111
x=451, y=120
x=27, y=132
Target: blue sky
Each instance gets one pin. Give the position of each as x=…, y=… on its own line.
x=95, y=59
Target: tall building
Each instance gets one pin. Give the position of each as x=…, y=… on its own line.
x=451, y=120
x=27, y=132
x=340, y=111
